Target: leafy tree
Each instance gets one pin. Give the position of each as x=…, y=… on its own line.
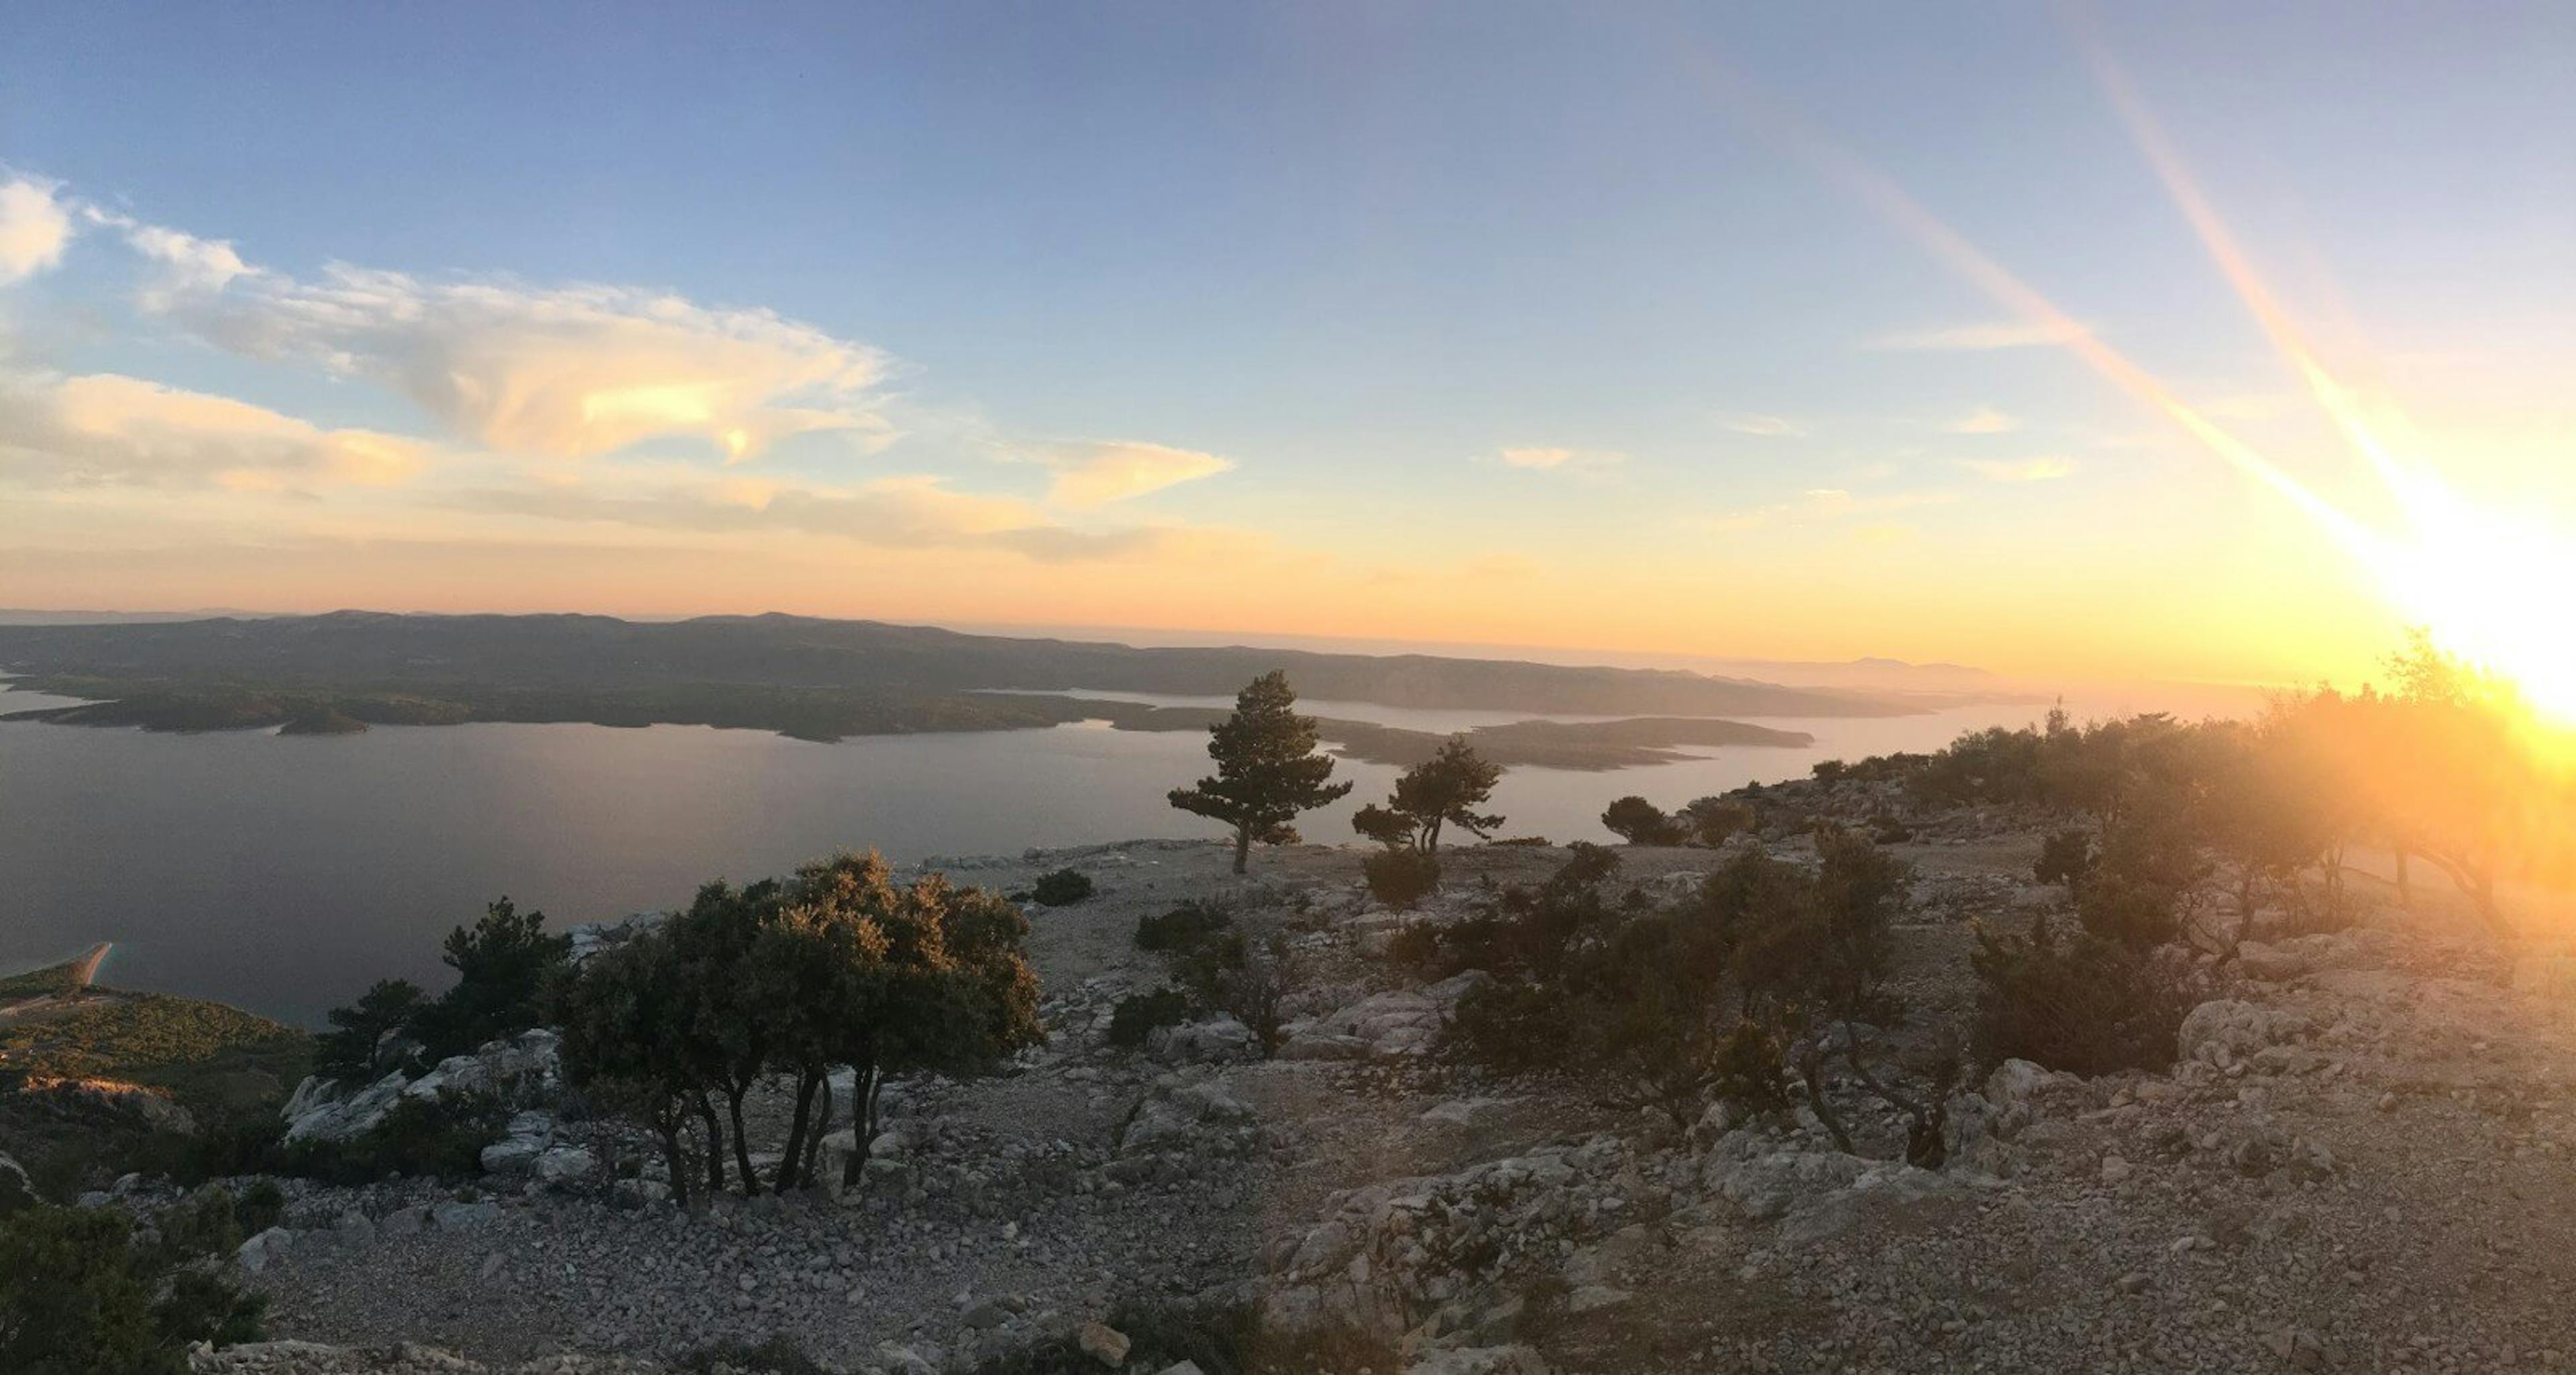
x=627, y=1044
x=728, y=1028
x=931, y=977
x=352, y=1050
x=1267, y=770
x=1441, y=791
x=1639, y=822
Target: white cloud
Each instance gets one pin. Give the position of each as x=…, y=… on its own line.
x=1983, y=420
x=1977, y=338
x=1092, y=475
x=34, y=227
x=914, y=511
x=1766, y=426
x=2026, y=470
x=565, y=372
x=106, y=429
x=1562, y=460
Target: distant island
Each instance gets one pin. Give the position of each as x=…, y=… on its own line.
x=827, y=680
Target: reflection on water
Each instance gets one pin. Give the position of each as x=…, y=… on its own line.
x=286, y=873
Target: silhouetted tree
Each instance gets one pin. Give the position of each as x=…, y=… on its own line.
x=351, y=1051
x=1267, y=770
x=1441, y=791
x=1640, y=822
x=502, y=963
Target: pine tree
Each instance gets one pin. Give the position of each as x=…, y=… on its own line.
x=1267, y=770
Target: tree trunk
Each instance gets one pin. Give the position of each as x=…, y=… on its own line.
x=674, y=1160
x=741, y=1141
x=863, y=1113
x=1812, y=1071
x=1242, y=846
x=715, y=1145
x=2405, y=894
x=822, y=1128
x=792, y=1160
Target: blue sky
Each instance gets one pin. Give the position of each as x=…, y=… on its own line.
x=1359, y=253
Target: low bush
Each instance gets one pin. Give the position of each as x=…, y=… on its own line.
x=1400, y=879
x=1530, y=842
x=774, y=1355
x=1138, y=1014
x=2064, y=859
x=1184, y=927
x=260, y=1206
x=1639, y=822
x=1218, y=1338
x=2080, y=1003
x=441, y=1139
x=1061, y=888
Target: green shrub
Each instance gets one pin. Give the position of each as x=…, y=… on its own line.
x=260, y=1206
x=1417, y=949
x=2080, y=1003
x=1529, y=842
x=1184, y=927
x=77, y=1296
x=1400, y=879
x=1219, y=1338
x=2065, y=858
x=1061, y=888
x=773, y=1355
x=1138, y=1014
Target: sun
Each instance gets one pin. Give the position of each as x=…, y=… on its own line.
x=2490, y=587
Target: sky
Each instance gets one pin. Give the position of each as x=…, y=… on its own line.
x=1641, y=328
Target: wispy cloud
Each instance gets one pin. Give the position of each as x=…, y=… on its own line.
x=912, y=511
x=1557, y=460
x=2047, y=469
x=189, y=264
x=34, y=227
x=1765, y=426
x=1974, y=338
x=109, y=430
x=565, y=372
x=1983, y=420
x=1094, y=475
x=1819, y=506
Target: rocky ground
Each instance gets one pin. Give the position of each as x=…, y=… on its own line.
x=2362, y=1163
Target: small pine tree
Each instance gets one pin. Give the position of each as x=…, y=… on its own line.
x=1267, y=770
x=1444, y=790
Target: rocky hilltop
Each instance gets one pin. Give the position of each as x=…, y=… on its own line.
x=2357, y=1162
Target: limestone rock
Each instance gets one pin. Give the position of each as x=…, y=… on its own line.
x=1103, y=1343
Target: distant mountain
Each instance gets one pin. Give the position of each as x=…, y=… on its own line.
x=631, y=665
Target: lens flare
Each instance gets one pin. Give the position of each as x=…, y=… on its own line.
x=2484, y=584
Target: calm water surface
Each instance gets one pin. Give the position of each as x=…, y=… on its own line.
x=284, y=874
